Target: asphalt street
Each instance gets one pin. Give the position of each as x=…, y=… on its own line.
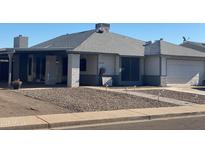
x=179, y=123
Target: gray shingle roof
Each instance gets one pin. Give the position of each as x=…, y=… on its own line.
x=177, y=50
x=170, y=49
x=91, y=41
x=194, y=45
x=66, y=41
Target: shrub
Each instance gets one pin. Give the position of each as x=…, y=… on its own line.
x=17, y=84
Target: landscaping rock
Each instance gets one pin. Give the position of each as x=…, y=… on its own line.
x=85, y=99
x=189, y=97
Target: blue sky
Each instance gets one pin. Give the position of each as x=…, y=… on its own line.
x=42, y=32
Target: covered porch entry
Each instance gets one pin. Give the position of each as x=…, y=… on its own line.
x=48, y=68
x=40, y=67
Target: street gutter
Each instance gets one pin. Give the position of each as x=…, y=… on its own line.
x=76, y=119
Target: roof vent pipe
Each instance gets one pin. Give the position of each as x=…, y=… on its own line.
x=148, y=43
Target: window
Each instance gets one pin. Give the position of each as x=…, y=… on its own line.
x=130, y=69
x=83, y=65
x=65, y=66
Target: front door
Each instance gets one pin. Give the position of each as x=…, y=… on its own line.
x=130, y=69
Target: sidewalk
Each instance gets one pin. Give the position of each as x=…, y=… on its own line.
x=149, y=96
x=188, y=90
x=71, y=119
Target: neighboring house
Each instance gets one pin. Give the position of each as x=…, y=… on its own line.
x=194, y=45
x=76, y=59
x=167, y=63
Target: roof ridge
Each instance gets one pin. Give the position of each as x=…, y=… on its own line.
x=64, y=35
x=194, y=42
x=85, y=40
x=129, y=37
x=82, y=32
x=49, y=40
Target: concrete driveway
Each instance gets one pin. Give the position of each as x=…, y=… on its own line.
x=13, y=104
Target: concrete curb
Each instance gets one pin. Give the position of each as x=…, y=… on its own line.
x=71, y=119
x=20, y=123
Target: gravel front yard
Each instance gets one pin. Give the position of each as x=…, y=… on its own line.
x=189, y=97
x=85, y=99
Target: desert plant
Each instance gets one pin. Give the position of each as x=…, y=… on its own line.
x=17, y=84
x=102, y=71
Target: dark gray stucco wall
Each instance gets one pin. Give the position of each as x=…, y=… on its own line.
x=155, y=80
x=88, y=80
x=95, y=80
x=151, y=80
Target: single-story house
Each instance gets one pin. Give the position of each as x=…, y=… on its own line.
x=89, y=57
x=76, y=59
x=167, y=63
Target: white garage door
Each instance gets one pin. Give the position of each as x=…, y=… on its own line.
x=185, y=72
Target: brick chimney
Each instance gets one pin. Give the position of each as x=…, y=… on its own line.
x=21, y=42
x=102, y=27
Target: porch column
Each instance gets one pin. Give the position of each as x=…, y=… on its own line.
x=117, y=70
x=10, y=55
x=73, y=76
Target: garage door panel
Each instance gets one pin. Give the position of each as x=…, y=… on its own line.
x=185, y=72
